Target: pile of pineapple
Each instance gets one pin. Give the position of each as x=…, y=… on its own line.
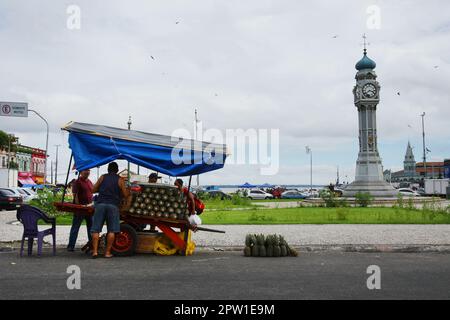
x=160, y=201
x=258, y=245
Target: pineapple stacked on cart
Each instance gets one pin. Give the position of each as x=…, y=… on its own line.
x=160, y=205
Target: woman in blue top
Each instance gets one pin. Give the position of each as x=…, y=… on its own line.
x=111, y=189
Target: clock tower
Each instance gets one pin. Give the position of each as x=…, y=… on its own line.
x=369, y=169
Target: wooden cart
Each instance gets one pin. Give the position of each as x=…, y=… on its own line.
x=131, y=232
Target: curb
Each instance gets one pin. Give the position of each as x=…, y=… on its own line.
x=10, y=246
x=361, y=248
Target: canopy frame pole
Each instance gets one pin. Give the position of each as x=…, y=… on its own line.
x=189, y=185
x=67, y=178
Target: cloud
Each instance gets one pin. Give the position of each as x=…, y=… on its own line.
x=253, y=64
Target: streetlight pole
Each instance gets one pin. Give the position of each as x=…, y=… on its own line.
x=51, y=172
x=424, y=148
x=196, y=138
x=309, y=151
x=56, y=164
x=46, y=142
x=128, y=168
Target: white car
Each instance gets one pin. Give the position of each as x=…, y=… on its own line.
x=31, y=194
x=26, y=194
x=259, y=195
x=406, y=192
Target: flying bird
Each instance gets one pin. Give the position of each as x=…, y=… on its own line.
x=436, y=67
x=335, y=36
x=153, y=58
x=398, y=93
x=177, y=22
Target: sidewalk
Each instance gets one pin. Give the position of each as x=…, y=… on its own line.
x=296, y=235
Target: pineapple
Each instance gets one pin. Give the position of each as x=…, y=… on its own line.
x=283, y=247
x=255, y=248
x=276, y=246
x=248, y=244
x=292, y=251
x=269, y=245
x=262, y=248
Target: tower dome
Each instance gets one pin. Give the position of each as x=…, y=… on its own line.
x=365, y=63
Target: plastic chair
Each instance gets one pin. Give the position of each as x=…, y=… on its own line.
x=29, y=217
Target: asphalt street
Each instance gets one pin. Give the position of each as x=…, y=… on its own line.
x=226, y=275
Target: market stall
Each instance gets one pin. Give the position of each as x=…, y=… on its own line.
x=160, y=205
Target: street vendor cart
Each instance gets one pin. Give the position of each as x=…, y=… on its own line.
x=159, y=205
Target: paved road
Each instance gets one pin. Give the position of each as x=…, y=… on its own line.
x=227, y=275
x=296, y=235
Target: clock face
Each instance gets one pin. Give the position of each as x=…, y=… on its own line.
x=369, y=90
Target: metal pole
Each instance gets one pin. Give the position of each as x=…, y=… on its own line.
x=51, y=172
x=424, y=149
x=9, y=156
x=46, y=143
x=67, y=178
x=189, y=185
x=311, y=173
x=196, y=138
x=56, y=164
x=128, y=166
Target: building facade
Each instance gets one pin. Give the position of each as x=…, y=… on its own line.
x=415, y=172
x=38, y=159
x=24, y=161
x=5, y=156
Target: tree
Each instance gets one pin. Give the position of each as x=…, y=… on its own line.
x=4, y=140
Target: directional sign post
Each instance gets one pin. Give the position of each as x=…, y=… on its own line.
x=20, y=109
x=13, y=109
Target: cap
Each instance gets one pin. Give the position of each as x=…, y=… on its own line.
x=154, y=175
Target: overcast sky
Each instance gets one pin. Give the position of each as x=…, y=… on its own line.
x=284, y=64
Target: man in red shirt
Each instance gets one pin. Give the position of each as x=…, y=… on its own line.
x=82, y=194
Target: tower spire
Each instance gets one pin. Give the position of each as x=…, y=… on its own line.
x=365, y=43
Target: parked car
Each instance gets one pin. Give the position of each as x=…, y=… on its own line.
x=30, y=194
x=26, y=196
x=314, y=193
x=9, y=200
x=406, y=192
x=218, y=194
x=293, y=194
x=259, y=195
x=421, y=192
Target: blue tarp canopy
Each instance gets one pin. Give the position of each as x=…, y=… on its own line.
x=95, y=145
x=247, y=185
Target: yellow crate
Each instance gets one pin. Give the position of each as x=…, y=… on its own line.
x=160, y=244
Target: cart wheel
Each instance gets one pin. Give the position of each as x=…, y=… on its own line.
x=125, y=242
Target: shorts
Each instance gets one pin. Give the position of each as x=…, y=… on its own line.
x=108, y=212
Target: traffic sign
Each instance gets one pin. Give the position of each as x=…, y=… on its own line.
x=13, y=109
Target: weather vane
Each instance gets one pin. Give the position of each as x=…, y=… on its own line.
x=365, y=43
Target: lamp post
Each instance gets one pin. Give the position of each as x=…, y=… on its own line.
x=309, y=151
x=46, y=142
x=196, y=138
x=128, y=167
x=56, y=164
x=424, y=148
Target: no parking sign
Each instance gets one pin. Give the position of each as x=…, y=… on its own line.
x=14, y=109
